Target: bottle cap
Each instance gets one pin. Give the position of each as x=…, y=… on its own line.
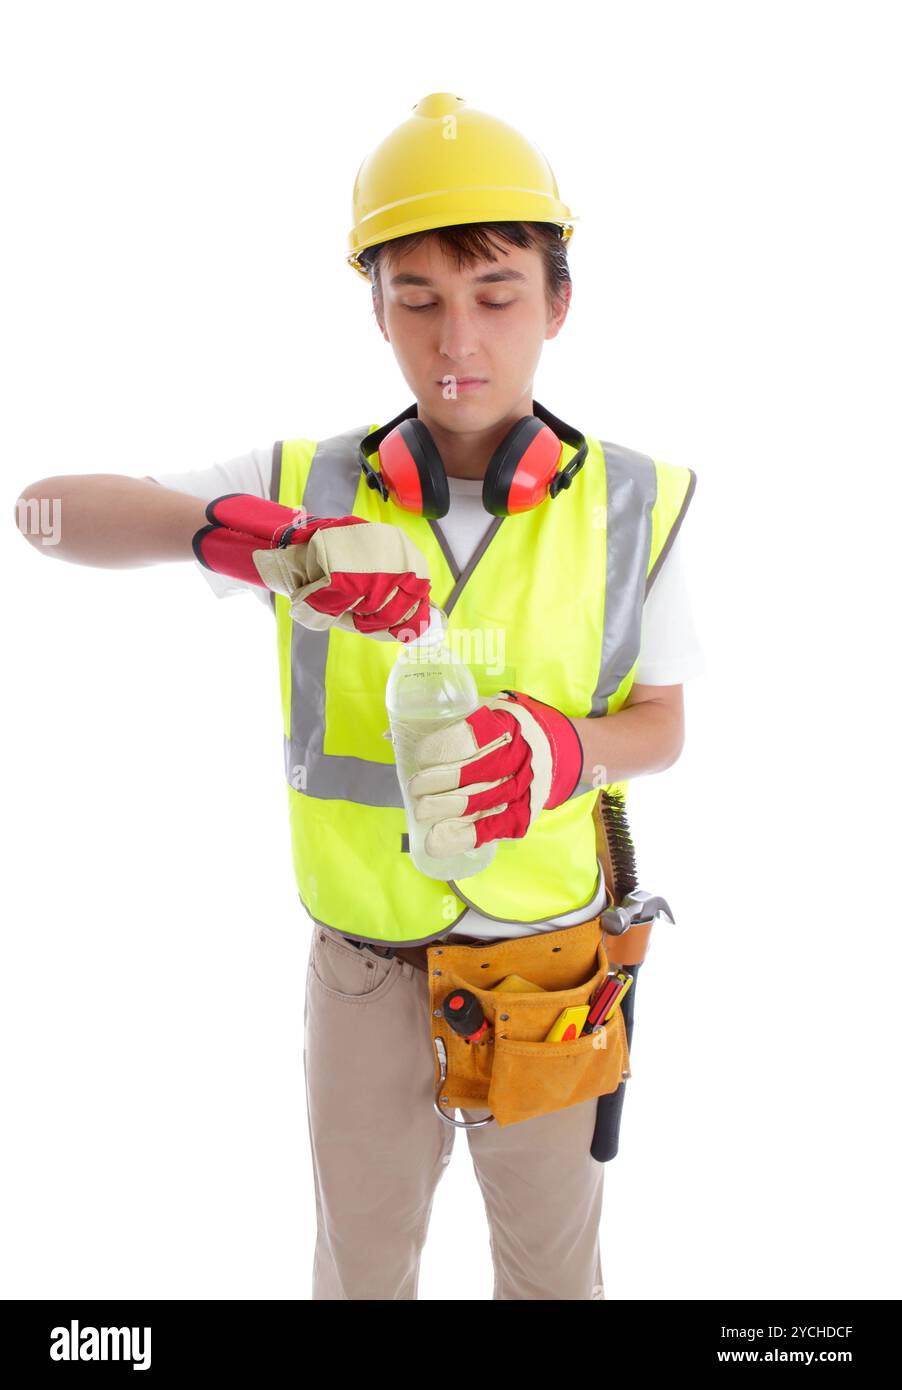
x=435, y=637
x=435, y=632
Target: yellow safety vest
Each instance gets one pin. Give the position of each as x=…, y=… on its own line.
x=549, y=604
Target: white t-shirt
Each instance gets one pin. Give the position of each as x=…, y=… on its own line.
x=669, y=651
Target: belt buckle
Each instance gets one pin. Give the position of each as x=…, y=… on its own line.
x=385, y=953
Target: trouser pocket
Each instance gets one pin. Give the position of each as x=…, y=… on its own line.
x=344, y=972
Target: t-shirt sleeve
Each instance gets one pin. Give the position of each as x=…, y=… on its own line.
x=251, y=473
x=669, y=651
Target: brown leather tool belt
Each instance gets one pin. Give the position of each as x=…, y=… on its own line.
x=414, y=955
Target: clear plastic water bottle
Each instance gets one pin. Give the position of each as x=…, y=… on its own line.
x=429, y=688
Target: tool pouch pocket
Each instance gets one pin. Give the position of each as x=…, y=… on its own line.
x=514, y=1073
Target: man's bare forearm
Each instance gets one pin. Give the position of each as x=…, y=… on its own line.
x=109, y=520
x=637, y=739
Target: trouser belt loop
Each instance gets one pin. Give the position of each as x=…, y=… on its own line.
x=386, y=952
x=414, y=955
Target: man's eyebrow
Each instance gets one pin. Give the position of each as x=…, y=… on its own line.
x=491, y=277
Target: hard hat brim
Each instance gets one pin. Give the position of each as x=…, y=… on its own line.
x=383, y=229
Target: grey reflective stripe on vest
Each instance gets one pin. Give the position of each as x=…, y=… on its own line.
x=275, y=480
x=330, y=491
x=632, y=488
x=331, y=488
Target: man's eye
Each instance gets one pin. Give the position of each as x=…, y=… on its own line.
x=487, y=303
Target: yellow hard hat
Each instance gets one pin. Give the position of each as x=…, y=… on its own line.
x=445, y=165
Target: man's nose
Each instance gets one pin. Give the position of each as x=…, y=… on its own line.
x=457, y=335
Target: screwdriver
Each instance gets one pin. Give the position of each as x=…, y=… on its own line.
x=463, y=1011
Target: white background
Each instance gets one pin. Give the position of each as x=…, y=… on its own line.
x=177, y=184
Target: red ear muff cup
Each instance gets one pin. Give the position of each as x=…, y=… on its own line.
x=522, y=467
x=413, y=471
x=535, y=471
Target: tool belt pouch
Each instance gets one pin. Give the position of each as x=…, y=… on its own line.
x=514, y=1073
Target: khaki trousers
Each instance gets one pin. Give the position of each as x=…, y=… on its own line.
x=379, y=1149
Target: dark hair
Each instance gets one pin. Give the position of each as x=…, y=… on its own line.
x=473, y=241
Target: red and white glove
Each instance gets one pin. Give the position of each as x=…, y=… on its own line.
x=488, y=776
x=362, y=576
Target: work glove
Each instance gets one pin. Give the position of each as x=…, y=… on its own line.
x=362, y=576
x=488, y=776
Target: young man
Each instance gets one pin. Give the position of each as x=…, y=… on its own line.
x=469, y=279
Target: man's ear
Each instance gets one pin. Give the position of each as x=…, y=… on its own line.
x=559, y=312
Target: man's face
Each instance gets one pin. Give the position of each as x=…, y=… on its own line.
x=468, y=340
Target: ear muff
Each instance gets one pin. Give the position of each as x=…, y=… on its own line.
x=413, y=471
x=522, y=471
x=522, y=468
